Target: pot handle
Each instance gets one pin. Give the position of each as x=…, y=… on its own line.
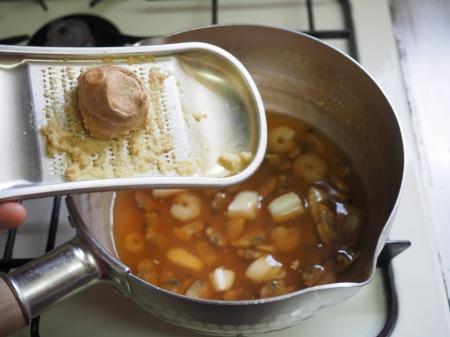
x=11, y=316
x=27, y=291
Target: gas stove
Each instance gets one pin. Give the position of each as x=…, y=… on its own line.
x=405, y=298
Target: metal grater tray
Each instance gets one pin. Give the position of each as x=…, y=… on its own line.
x=207, y=105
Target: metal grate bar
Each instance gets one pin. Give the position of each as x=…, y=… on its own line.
x=330, y=34
x=94, y=3
x=54, y=220
x=349, y=26
x=390, y=251
x=214, y=11
x=10, y=241
x=311, y=23
x=42, y=4
x=348, y=33
x=391, y=299
x=7, y=264
x=14, y=39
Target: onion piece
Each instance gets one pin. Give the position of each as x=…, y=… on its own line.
x=222, y=279
x=199, y=289
x=285, y=239
x=234, y=228
x=263, y=269
x=165, y=193
x=244, y=205
x=183, y=258
x=285, y=207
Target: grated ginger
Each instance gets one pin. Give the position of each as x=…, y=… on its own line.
x=142, y=151
x=235, y=162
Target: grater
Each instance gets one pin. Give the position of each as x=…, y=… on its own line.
x=204, y=105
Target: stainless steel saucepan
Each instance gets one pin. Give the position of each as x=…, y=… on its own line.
x=299, y=76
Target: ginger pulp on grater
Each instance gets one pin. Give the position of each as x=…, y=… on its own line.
x=142, y=141
x=112, y=101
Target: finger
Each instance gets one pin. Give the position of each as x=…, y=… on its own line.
x=12, y=214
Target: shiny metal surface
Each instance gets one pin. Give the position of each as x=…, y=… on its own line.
x=302, y=77
x=64, y=271
x=204, y=80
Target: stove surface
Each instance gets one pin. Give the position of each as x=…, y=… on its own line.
x=100, y=311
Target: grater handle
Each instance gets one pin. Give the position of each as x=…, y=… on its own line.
x=12, y=317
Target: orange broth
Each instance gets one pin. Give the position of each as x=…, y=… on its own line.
x=314, y=246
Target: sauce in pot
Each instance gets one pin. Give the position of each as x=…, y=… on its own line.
x=291, y=225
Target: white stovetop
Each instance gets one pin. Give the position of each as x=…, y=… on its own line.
x=99, y=311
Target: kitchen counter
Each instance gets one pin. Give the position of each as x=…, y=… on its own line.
x=422, y=30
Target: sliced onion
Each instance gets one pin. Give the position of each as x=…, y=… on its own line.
x=263, y=269
x=222, y=279
x=244, y=205
x=285, y=207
